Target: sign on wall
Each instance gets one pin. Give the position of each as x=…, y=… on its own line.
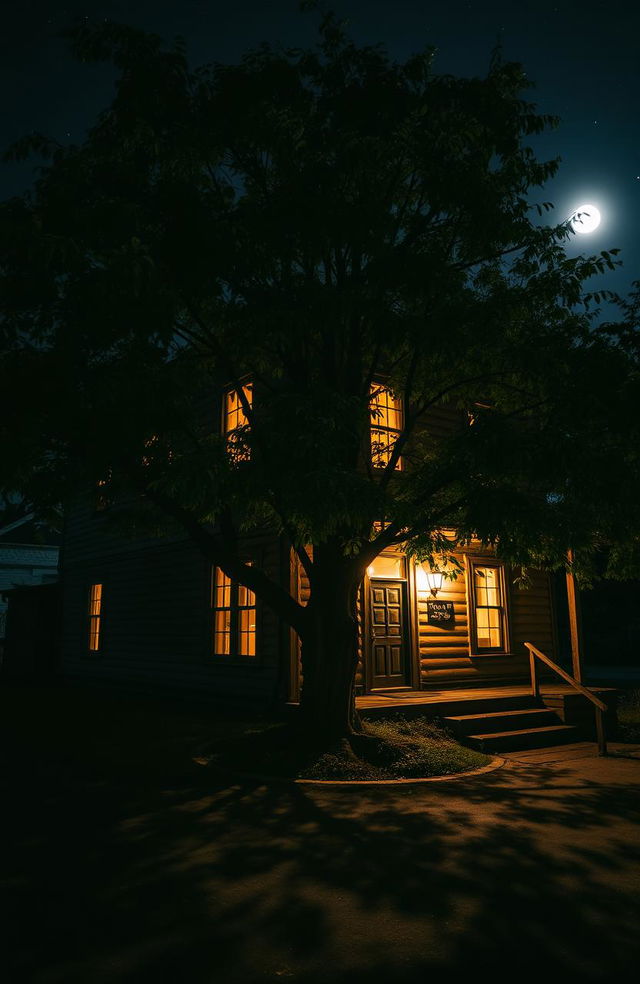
x=440, y=613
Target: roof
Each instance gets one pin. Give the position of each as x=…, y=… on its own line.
x=31, y=531
x=16, y=523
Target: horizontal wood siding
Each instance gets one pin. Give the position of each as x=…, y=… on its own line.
x=533, y=616
x=156, y=618
x=445, y=653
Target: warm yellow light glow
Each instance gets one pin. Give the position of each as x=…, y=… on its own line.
x=234, y=617
x=246, y=621
x=421, y=579
x=387, y=566
x=386, y=425
x=585, y=219
x=488, y=607
x=234, y=419
x=95, y=609
x=434, y=580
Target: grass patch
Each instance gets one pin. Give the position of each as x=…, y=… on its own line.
x=629, y=717
x=393, y=748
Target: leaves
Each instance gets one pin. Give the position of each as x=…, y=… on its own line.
x=315, y=220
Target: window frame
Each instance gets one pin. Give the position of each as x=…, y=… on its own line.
x=95, y=618
x=235, y=608
x=229, y=433
x=379, y=387
x=472, y=563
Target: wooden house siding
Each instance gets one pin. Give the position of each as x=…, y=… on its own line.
x=156, y=622
x=446, y=655
x=156, y=619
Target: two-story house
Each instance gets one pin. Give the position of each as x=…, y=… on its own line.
x=153, y=613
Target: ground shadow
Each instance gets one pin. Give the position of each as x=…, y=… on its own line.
x=193, y=878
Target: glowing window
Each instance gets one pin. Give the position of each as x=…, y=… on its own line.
x=222, y=613
x=234, y=617
x=235, y=423
x=489, y=612
x=386, y=565
x=386, y=425
x=95, y=609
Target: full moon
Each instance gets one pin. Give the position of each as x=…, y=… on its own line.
x=585, y=219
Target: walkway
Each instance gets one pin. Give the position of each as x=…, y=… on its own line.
x=133, y=868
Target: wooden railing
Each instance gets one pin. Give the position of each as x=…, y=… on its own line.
x=599, y=706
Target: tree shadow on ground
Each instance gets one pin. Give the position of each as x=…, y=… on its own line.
x=192, y=878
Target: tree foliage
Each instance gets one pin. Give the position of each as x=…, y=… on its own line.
x=314, y=220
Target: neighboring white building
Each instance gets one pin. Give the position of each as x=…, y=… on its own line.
x=23, y=560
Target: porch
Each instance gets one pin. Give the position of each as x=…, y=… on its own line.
x=501, y=718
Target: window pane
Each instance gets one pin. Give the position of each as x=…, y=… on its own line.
x=494, y=628
x=384, y=566
x=246, y=598
x=94, y=609
x=487, y=586
x=247, y=632
x=234, y=617
x=386, y=424
x=222, y=596
x=489, y=611
x=234, y=418
x=222, y=633
x=488, y=628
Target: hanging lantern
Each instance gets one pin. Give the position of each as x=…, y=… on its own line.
x=434, y=579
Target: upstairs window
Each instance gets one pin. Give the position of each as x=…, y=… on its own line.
x=235, y=421
x=234, y=617
x=487, y=589
x=386, y=425
x=95, y=614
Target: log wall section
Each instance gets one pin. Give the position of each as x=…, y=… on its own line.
x=445, y=654
x=156, y=626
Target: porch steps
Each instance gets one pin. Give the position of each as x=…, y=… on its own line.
x=509, y=729
x=502, y=718
x=498, y=720
x=515, y=741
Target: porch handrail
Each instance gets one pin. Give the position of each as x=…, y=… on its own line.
x=599, y=706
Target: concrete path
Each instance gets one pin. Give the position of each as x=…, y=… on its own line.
x=532, y=869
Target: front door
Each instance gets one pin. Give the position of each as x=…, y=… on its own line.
x=388, y=644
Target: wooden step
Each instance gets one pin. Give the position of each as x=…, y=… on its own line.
x=525, y=718
x=511, y=741
x=377, y=706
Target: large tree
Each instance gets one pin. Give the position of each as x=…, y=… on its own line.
x=315, y=222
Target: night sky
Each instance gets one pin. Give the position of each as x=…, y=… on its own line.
x=582, y=57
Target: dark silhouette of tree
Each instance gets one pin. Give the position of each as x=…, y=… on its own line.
x=314, y=222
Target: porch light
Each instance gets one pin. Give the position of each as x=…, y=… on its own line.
x=434, y=579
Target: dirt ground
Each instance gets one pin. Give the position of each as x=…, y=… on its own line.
x=118, y=870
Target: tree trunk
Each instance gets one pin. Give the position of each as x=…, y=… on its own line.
x=330, y=651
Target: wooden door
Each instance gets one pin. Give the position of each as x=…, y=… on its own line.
x=388, y=642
